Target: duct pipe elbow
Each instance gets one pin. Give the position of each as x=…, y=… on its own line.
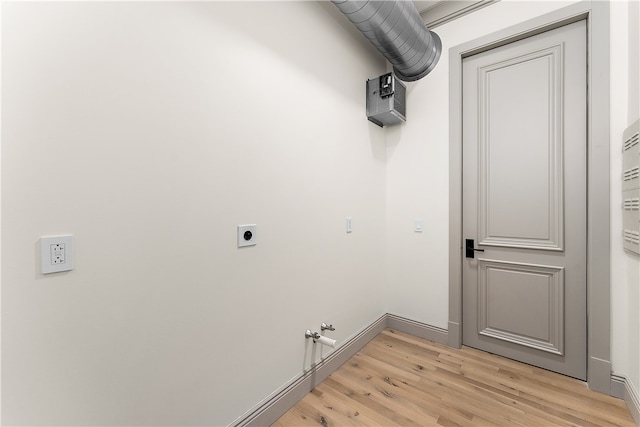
x=432, y=57
x=396, y=29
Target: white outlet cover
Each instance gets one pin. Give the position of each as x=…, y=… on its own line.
x=247, y=235
x=56, y=254
x=418, y=225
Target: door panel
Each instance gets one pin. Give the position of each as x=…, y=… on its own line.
x=520, y=166
x=522, y=303
x=524, y=200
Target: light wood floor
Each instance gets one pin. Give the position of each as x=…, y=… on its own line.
x=401, y=380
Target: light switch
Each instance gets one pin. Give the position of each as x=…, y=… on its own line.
x=56, y=254
x=418, y=225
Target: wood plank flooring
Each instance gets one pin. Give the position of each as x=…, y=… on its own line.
x=400, y=380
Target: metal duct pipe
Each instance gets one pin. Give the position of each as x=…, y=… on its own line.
x=396, y=29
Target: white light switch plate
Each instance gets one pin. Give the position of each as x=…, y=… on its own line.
x=56, y=254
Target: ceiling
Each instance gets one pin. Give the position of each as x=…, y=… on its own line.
x=438, y=12
x=423, y=5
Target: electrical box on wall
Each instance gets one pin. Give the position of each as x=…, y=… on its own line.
x=56, y=254
x=631, y=188
x=386, y=100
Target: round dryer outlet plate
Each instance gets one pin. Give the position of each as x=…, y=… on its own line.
x=246, y=235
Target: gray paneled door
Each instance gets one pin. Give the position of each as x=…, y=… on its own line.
x=524, y=200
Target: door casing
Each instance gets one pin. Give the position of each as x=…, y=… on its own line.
x=596, y=14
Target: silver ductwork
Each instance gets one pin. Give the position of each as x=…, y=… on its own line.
x=396, y=29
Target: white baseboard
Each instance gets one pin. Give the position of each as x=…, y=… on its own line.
x=623, y=389
x=273, y=407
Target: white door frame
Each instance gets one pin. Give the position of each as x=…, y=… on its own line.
x=596, y=14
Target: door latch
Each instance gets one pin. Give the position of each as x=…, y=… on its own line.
x=470, y=248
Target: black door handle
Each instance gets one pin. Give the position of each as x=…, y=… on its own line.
x=470, y=249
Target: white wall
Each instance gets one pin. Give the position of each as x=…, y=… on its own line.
x=417, y=179
x=418, y=172
x=149, y=131
x=625, y=281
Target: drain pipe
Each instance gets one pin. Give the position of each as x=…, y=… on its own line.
x=396, y=29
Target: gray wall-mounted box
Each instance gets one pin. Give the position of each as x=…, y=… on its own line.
x=631, y=188
x=386, y=100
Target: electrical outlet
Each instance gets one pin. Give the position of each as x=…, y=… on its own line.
x=246, y=235
x=56, y=254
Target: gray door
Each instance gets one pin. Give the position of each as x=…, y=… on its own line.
x=524, y=200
